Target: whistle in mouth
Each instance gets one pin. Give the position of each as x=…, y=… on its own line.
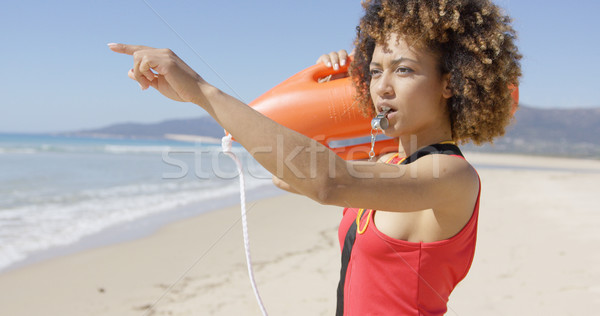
x=380, y=121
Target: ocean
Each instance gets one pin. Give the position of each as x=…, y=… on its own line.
x=56, y=191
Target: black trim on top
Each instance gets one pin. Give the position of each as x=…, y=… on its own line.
x=346, y=252
x=443, y=149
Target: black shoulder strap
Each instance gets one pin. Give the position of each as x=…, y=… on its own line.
x=444, y=149
x=346, y=251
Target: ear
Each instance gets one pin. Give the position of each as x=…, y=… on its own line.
x=446, y=90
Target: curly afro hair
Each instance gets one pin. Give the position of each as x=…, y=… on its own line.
x=475, y=45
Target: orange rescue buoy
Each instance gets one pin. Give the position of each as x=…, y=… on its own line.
x=325, y=111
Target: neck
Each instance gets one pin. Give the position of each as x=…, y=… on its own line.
x=409, y=144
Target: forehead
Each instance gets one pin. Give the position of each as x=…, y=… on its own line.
x=397, y=46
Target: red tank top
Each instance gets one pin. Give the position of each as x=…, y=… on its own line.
x=387, y=276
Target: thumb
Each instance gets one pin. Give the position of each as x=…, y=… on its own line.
x=125, y=48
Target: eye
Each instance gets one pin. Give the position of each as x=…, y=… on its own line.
x=404, y=70
x=375, y=73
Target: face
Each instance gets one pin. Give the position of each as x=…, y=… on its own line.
x=408, y=81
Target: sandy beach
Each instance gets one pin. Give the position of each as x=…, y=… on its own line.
x=537, y=254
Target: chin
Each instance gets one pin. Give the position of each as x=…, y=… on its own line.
x=391, y=132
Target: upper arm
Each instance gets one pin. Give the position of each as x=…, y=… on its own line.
x=433, y=181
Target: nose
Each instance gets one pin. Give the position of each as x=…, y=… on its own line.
x=382, y=86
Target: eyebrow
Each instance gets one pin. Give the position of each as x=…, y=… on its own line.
x=395, y=62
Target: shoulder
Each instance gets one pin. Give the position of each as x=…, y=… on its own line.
x=431, y=182
x=446, y=165
x=451, y=177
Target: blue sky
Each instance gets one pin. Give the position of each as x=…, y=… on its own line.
x=58, y=74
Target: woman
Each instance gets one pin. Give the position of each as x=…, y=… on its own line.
x=441, y=70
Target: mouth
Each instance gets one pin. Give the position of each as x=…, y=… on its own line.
x=385, y=110
x=381, y=121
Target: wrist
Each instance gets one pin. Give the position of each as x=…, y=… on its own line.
x=206, y=94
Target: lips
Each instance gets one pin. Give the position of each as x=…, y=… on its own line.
x=385, y=108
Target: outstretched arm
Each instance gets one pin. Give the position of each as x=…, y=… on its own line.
x=305, y=165
x=282, y=151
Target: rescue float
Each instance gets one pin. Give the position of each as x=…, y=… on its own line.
x=325, y=111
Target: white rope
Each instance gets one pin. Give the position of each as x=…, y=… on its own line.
x=226, y=146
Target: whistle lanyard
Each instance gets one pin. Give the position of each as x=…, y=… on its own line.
x=360, y=211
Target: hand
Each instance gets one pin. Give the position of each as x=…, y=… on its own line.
x=335, y=59
x=163, y=70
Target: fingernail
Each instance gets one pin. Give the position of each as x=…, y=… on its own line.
x=111, y=44
x=141, y=87
x=343, y=62
x=336, y=66
x=328, y=64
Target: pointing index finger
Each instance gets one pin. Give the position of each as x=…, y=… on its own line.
x=125, y=48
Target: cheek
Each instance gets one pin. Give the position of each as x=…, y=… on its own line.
x=427, y=93
x=413, y=94
x=421, y=103
x=373, y=90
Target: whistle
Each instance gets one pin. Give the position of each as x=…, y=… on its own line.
x=380, y=121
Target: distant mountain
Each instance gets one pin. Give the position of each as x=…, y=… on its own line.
x=564, y=132
x=579, y=125
x=202, y=126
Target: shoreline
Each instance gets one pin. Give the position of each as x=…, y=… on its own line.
x=536, y=229
x=140, y=228
x=203, y=253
